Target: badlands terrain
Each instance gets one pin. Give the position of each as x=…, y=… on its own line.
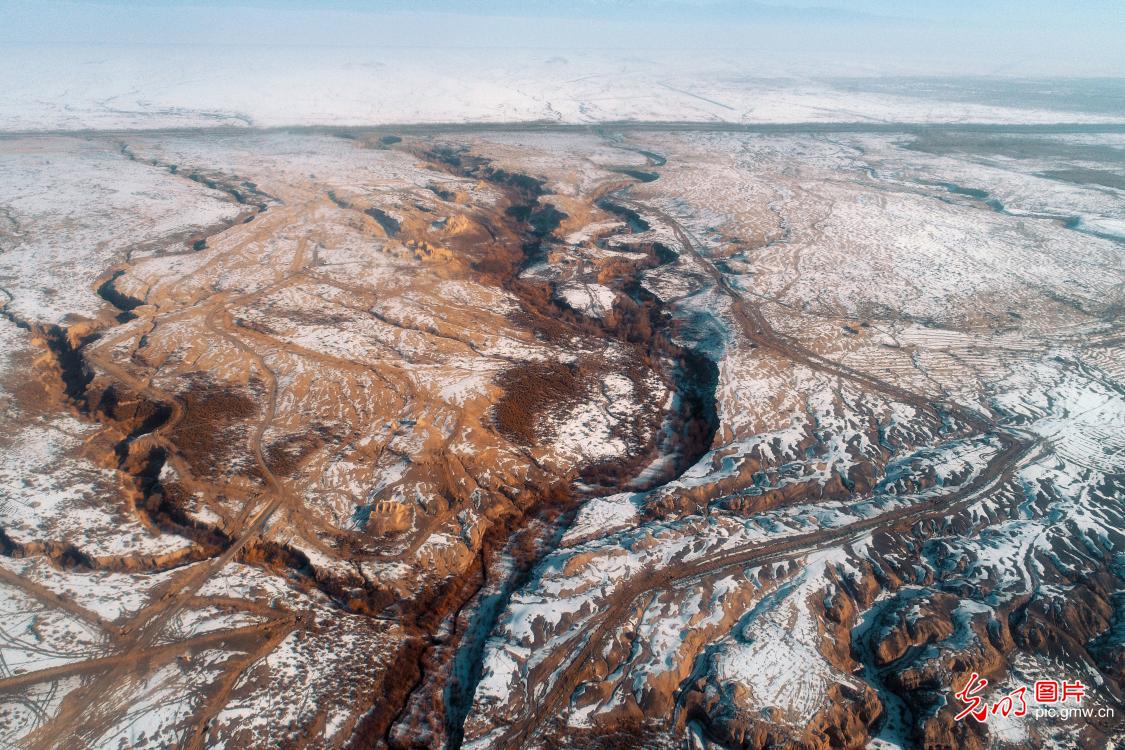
x=576, y=437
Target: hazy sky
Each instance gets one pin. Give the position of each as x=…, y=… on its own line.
x=1000, y=13
x=985, y=37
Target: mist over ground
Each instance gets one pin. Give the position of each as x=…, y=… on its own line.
x=145, y=63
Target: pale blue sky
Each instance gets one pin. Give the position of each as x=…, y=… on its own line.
x=982, y=37
x=1002, y=12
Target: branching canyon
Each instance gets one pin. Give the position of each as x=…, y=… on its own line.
x=531, y=437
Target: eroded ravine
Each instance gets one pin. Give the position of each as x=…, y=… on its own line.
x=1017, y=450
x=756, y=329
x=441, y=626
x=509, y=566
x=141, y=453
x=155, y=414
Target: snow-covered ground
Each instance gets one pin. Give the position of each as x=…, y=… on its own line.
x=71, y=87
x=952, y=274
x=868, y=250
x=71, y=209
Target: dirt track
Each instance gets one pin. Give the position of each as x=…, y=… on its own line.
x=135, y=651
x=564, y=678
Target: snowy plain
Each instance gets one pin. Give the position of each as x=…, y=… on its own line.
x=88, y=87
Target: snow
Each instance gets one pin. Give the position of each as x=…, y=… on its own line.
x=496, y=682
x=316, y=672
x=52, y=492
x=586, y=435
x=163, y=702
x=774, y=652
x=53, y=87
x=1008, y=312
x=28, y=711
x=109, y=596
x=591, y=231
x=602, y=516
x=34, y=636
x=591, y=299
x=74, y=208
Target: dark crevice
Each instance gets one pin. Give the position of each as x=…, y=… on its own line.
x=389, y=224
x=642, y=322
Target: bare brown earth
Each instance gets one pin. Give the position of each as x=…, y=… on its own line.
x=188, y=395
x=350, y=424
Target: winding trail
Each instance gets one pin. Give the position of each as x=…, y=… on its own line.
x=92, y=708
x=89, y=710
x=563, y=676
x=1017, y=453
